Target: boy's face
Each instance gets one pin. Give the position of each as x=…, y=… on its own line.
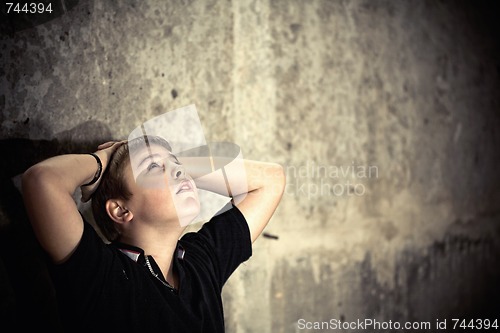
x=161, y=190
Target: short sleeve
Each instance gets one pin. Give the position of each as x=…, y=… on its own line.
x=81, y=276
x=227, y=238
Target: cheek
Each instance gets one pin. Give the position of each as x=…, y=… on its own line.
x=162, y=198
x=155, y=204
x=153, y=191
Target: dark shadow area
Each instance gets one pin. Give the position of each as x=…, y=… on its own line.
x=23, y=15
x=27, y=294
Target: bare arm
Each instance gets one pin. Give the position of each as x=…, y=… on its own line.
x=48, y=189
x=266, y=183
x=255, y=187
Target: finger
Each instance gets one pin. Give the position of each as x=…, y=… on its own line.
x=111, y=144
x=117, y=144
x=106, y=145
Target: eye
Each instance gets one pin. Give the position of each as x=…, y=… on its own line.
x=153, y=166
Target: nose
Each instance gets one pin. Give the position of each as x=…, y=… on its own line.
x=179, y=172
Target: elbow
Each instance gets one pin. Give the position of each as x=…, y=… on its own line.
x=280, y=171
x=282, y=179
x=279, y=179
x=29, y=176
x=34, y=178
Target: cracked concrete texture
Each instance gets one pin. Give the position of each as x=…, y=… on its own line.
x=328, y=89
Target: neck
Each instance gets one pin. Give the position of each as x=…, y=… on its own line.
x=161, y=245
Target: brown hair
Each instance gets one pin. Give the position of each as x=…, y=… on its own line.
x=113, y=185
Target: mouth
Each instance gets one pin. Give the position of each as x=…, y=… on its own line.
x=185, y=186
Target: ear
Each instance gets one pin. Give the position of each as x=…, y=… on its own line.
x=118, y=212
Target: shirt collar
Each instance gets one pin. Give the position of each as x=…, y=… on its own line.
x=133, y=252
x=137, y=254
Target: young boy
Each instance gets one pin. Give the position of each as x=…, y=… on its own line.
x=148, y=278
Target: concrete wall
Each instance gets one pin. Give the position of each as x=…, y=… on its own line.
x=384, y=114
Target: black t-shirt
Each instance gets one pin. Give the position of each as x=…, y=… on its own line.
x=105, y=288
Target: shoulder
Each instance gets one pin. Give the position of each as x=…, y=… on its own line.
x=225, y=239
x=228, y=222
x=90, y=248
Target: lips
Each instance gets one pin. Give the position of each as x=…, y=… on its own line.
x=184, y=186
